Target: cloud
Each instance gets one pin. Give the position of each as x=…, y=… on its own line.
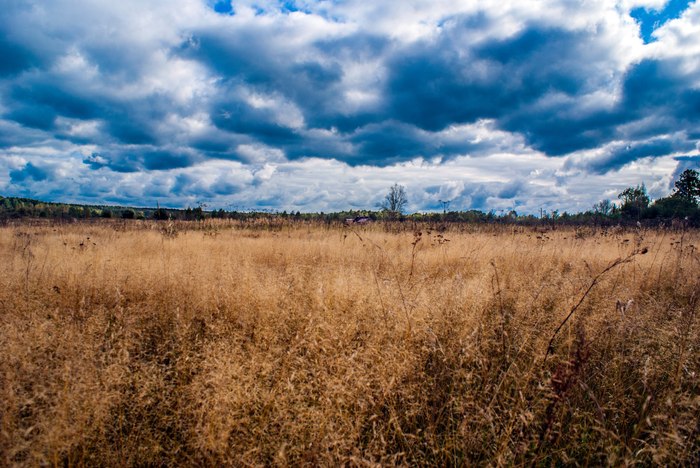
x=151, y=96
x=529, y=84
x=31, y=172
x=15, y=58
x=617, y=155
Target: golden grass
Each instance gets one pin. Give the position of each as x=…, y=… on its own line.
x=138, y=343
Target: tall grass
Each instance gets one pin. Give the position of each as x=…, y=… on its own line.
x=302, y=344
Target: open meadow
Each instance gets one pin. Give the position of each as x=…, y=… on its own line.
x=220, y=343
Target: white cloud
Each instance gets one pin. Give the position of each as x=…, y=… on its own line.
x=680, y=39
x=124, y=78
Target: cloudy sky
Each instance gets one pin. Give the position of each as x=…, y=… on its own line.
x=322, y=105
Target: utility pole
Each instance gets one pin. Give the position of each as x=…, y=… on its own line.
x=445, y=205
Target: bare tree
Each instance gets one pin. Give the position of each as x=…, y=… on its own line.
x=396, y=200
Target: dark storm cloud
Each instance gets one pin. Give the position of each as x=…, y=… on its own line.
x=399, y=140
x=15, y=57
x=260, y=124
x=317, y=75
x=13, y=134
x=623, y=154
x=37, y=104
x=31, y=172
x=250, y=55
x=225, y=187
x=185, y=185
x=686, y=162
x=652, y=91
x=128, y=123
x=393, y=141
x=511, y=190
x=656, y=88
x=430, y=87
x=216, y=143
x=39, y=100
x=37, y=116
x=439, y=84
x=358, y=46
x=142, y=158
x=252, y=58
x=556, y=132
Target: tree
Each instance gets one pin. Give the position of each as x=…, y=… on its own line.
x=672, y=207
x=603, y=207
x=634, y=200
x=688, y=186
x=396, y=200
x=161, y=214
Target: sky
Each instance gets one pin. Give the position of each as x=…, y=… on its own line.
x=323, y=105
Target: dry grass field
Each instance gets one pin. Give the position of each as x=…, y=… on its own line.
x=222, y=344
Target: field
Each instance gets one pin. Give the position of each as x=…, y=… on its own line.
x=137, y=343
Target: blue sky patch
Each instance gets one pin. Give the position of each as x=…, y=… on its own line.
x=650, y=20
x=224, y=7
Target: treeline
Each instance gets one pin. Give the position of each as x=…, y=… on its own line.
x=635, y=206
x=12, y=207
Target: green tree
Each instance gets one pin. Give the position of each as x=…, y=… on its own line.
x=672, y=207
x=603, y=207
x=161, y=214
x=688, y=186
x=634, y=201
x=75, y=211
